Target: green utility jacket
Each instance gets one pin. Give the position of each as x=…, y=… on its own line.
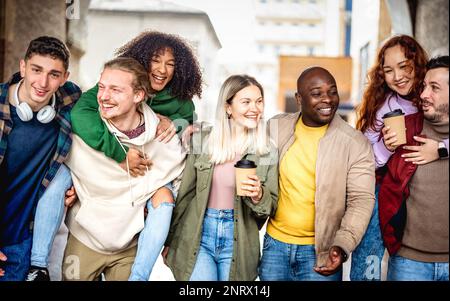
x=186, y=226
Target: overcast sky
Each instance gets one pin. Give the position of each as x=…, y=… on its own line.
x=233, y=21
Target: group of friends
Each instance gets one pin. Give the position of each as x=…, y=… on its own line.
x=136, y=177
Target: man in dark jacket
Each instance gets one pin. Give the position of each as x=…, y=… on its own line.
x=35, y=138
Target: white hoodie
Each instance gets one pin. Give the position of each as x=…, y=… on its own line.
x=111, y=208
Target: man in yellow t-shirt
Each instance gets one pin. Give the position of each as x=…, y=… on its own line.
x=326, y=182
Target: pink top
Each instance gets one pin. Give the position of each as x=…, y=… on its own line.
x=223, y=188
x=392, y=102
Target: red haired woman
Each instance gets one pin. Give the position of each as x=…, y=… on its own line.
x=394, y=82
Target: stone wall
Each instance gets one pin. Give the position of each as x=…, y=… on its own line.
x=432, y=26
x=26, y=20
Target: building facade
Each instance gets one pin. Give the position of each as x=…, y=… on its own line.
x=303, y=28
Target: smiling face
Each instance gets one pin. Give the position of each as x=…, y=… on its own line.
x=247, y=107
x=318, y=96
x=162, y=68
x=43, y=75
x=116, y=96
x=398, y=70
x=435, y=95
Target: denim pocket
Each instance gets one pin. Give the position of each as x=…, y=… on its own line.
x=268, y=241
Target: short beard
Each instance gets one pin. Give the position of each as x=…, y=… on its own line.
x=440, y=114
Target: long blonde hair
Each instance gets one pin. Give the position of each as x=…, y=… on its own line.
x=220, y=145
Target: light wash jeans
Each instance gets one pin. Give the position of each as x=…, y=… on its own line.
x=152, y=238
x=368, y=255
x=289, y=262
x=216, y=246
x=404, y=269
x=49, y=215
x=50, y=211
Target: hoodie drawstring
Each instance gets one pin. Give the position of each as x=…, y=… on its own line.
x=128, y=169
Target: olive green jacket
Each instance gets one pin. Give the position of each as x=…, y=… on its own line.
x=186, y=226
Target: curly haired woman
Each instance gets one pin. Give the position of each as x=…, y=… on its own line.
x=395, y=82
x=175, y=78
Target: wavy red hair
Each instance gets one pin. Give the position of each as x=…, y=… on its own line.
x=377, y=90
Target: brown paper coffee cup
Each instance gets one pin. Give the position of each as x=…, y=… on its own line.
x=396, y=121
x=243, y=169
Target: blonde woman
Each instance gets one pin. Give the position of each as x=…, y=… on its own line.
x=214, y=234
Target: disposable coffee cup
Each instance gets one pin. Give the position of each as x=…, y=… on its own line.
x=396, y=121
x=243, y=169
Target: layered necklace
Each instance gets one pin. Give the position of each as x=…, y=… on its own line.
x=133, y=133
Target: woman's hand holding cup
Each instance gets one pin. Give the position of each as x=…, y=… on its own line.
x=389, y=138
x=252, y=188
x=394, y=131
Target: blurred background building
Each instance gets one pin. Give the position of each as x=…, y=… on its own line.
x=257, y=37
x=112, y=23
x=290, y=30
x=272, y=40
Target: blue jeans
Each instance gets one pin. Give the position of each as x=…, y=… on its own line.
x=49, y=215
x=368, y=255
x=404, y=269
x=152, y=238
x=289, y=262
x=216, y=246
x=18, y=263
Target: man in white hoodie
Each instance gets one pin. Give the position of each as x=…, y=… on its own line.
x=105, y=223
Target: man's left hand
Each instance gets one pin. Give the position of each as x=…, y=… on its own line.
x=71, y=197
x=334, y=262
x=422, y=154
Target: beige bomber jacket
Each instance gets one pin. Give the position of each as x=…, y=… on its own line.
x=345, y=182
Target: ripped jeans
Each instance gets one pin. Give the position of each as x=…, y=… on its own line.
x=50, y=212
x=152, y=238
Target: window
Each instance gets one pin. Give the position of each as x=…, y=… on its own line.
x=277, y=49
x=261, y=48
x=363, y=68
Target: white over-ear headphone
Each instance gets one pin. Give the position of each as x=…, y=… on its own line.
x=45, y=115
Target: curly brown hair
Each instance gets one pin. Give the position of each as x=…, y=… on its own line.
x=187, y=77
x=377, y=90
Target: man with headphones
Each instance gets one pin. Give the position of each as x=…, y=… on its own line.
x=35, y=137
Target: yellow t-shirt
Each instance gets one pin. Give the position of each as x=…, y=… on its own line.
x=294, y=220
